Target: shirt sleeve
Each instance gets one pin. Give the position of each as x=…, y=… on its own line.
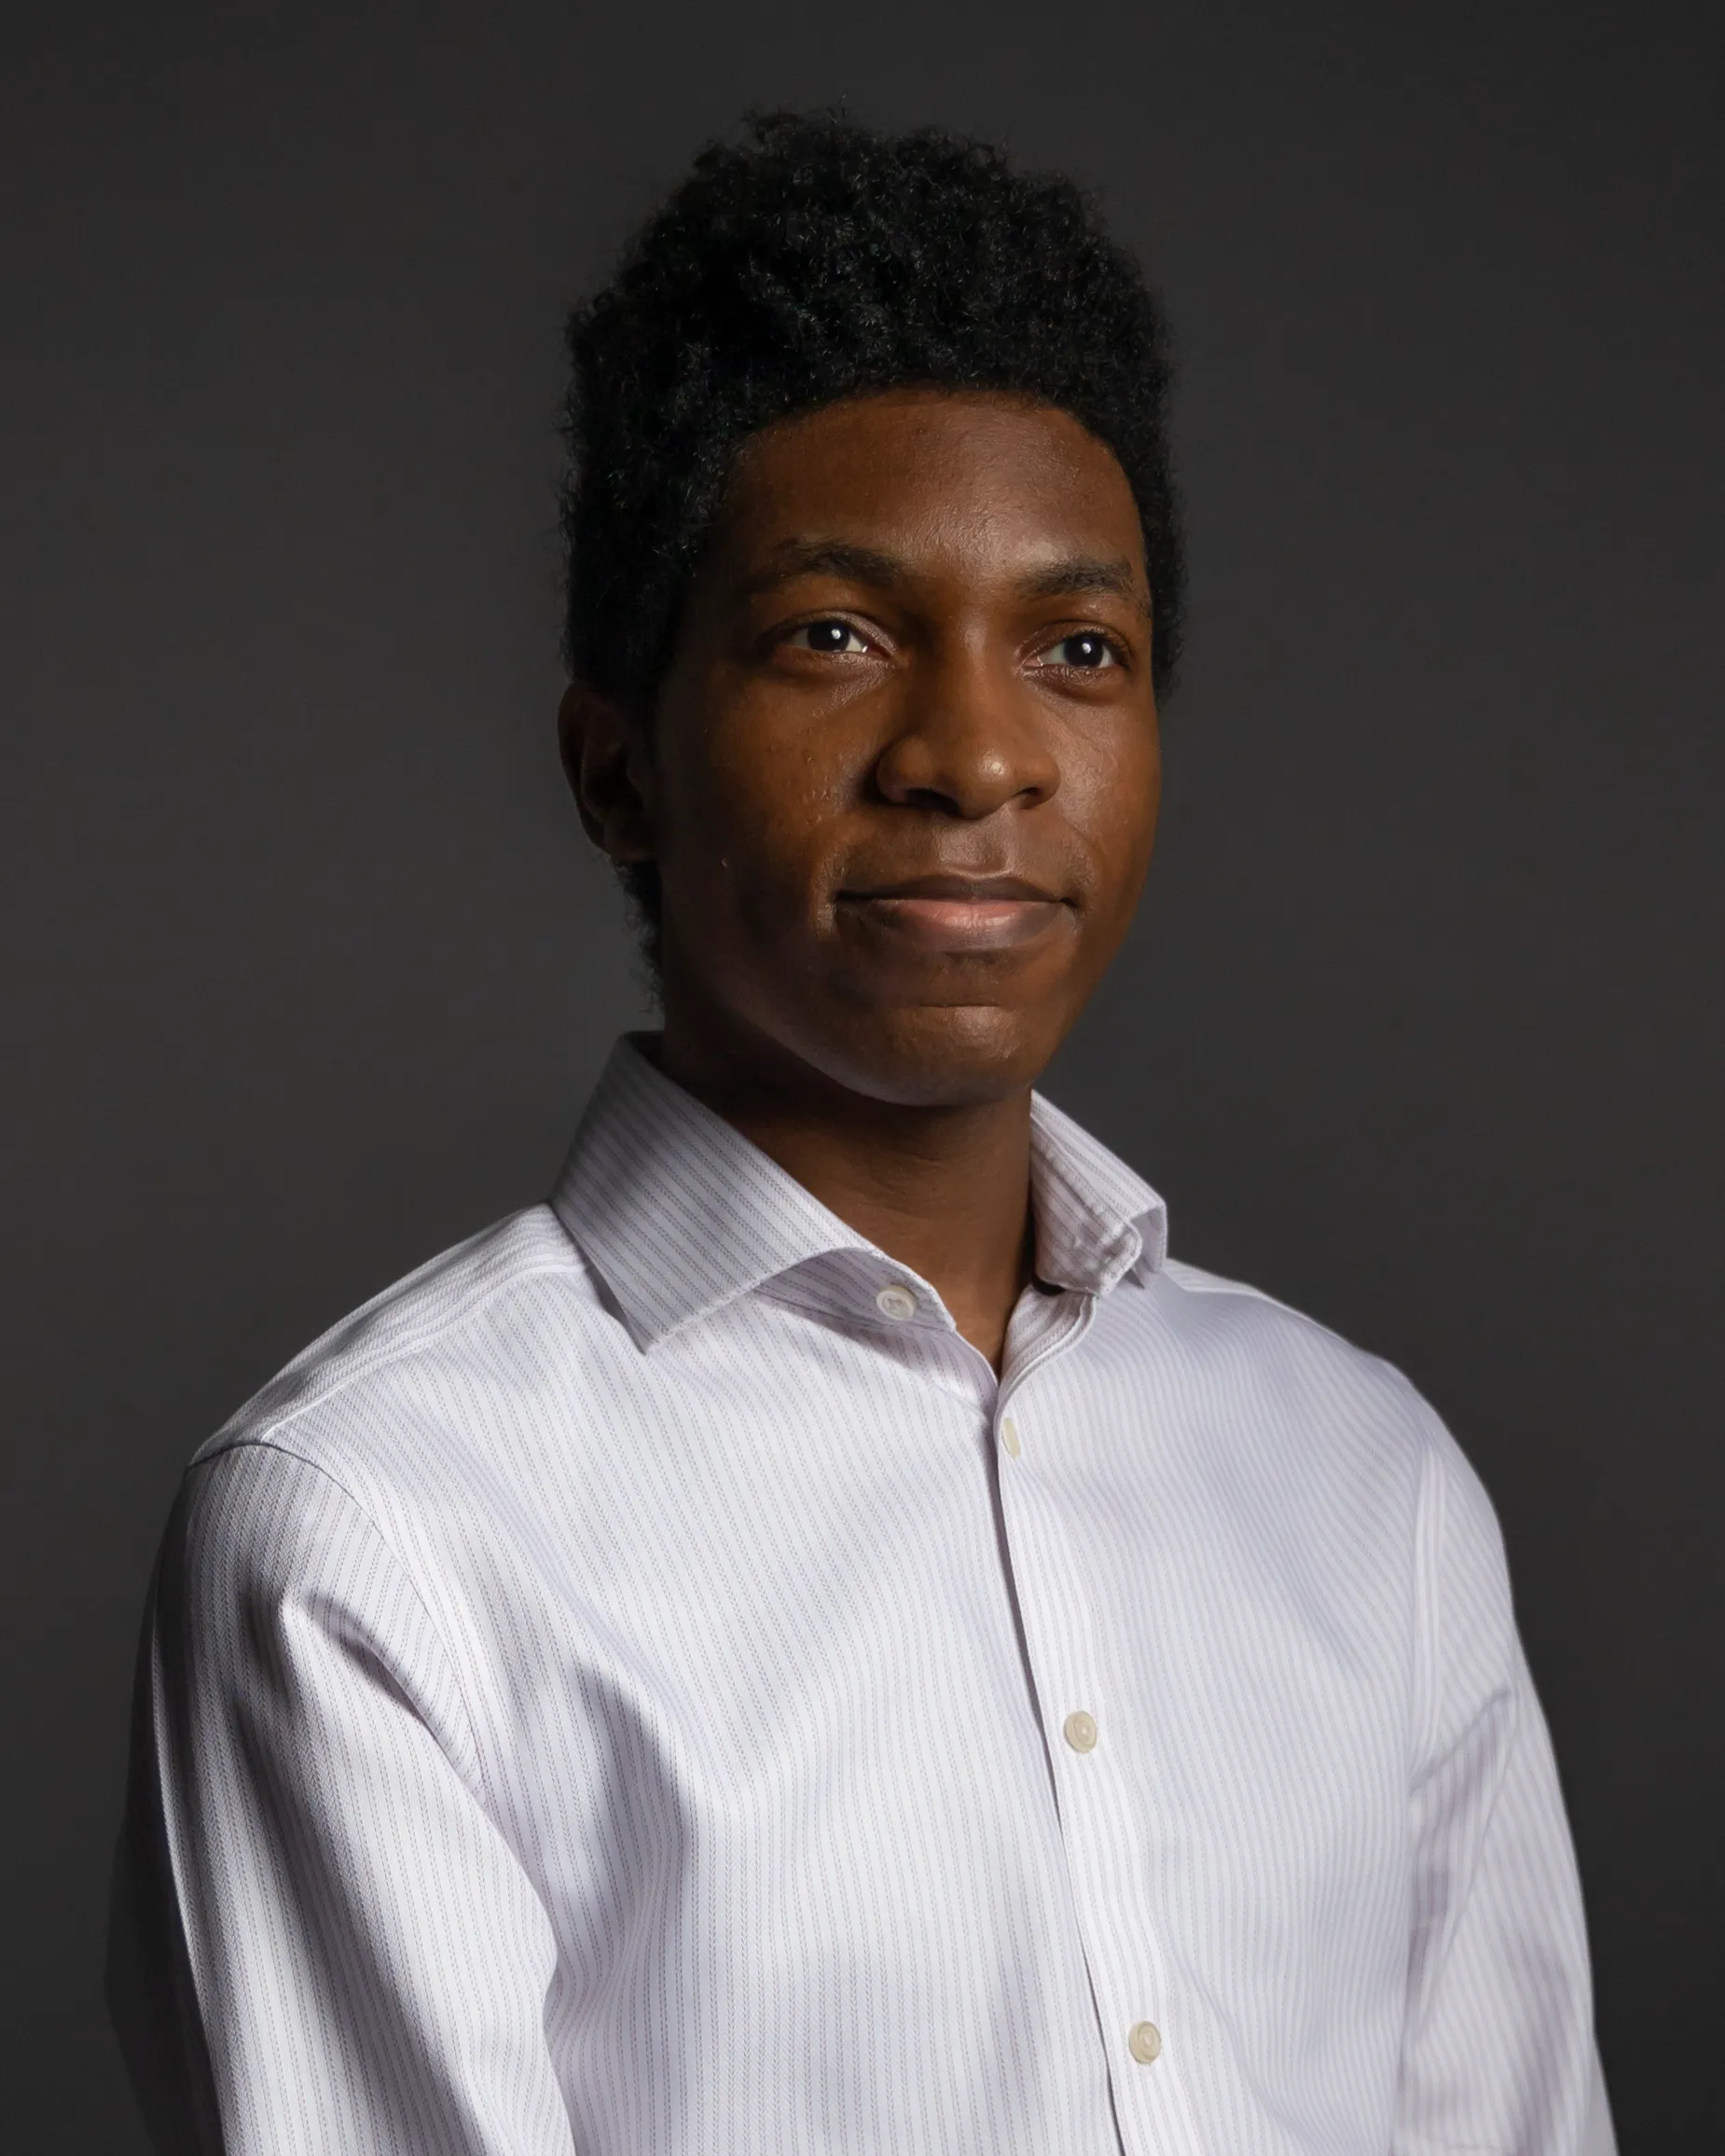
x=319, y=1940
x=1498, y=2056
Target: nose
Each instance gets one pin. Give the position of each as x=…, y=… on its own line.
x=970, y=740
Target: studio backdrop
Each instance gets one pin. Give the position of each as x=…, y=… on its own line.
x=308, y=967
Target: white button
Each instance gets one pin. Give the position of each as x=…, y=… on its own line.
x=1081, y=1734
x=1145, y=2042
x=896, y=1302
x=1009, y=1436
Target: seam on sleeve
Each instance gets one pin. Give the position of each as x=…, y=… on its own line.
x=1430, y=1520
x=486, y=1794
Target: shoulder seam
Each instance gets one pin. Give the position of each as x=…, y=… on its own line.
x=1220, y=1285
x=1382, y=1363
x=486, y=1793
x=226, y=1438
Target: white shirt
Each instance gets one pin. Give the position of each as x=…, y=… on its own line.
x=644, y=1685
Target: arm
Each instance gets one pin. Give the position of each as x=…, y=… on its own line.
x=1499, y=2054
x=320, y=1939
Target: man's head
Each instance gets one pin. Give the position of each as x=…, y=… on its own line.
x=873, y=575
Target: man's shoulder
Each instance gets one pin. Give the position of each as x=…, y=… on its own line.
x=428, y=1357
x=1255, y=1314
x=1336, y=1393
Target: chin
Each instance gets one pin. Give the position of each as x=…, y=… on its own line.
x=935, y=1056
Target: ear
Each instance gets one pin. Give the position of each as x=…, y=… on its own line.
x=603, y=762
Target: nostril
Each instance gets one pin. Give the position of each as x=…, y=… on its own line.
x=943, y=777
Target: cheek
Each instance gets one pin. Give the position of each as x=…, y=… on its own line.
x=1111, y=803
x=749, y=824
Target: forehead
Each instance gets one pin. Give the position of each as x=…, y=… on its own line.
x=966, y=481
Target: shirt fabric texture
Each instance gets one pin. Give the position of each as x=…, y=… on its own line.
x=643, y=1684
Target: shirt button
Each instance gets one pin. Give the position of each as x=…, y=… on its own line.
x=896, y=1302
x=1144, y=2042
x=1081, y=1734
x=1009, y=1436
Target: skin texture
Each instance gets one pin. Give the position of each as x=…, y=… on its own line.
x=901, y=784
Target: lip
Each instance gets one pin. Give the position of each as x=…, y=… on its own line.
x=957, y=913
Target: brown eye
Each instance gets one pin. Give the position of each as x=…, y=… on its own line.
x=1085, y=649
x=834, y=638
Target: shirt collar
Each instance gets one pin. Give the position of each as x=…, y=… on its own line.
x=680, y=1214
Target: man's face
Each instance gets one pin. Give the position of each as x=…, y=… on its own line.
x=903, y=776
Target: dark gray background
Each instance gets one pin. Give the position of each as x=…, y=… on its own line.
x=307, y=971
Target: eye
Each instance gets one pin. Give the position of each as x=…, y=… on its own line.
x=1087, y=648
x=833, y=638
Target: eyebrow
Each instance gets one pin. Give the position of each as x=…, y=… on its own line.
x=1069, y=578
x=1082, y=572
x=797, y=558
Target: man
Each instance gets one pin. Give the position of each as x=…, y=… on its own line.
x=824, y=1637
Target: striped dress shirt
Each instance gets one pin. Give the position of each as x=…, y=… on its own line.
x=644, y=1686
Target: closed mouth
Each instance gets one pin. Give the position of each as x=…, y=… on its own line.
x=955, y=914
x=964, y=890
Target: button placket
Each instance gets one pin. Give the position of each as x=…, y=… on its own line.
x=1100, y=1820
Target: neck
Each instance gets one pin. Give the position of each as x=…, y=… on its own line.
x=944, y=1190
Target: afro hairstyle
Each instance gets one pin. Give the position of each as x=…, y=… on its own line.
x=816, y=260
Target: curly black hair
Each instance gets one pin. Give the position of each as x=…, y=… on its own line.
x=820, y=259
